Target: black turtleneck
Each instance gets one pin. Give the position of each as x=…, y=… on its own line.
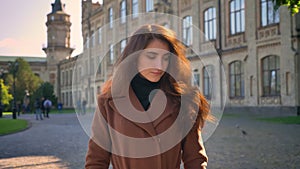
x=142, y=88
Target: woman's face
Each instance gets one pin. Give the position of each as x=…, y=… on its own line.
x=154, y=60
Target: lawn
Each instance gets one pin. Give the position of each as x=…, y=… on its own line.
x=52, y=111
x=283, y=120
x=8, y=126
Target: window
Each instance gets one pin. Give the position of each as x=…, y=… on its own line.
x=166, y=25
x=210, y=27
x=99, y=36
x=99, y=67
x=149, y=5
x=122, y=45
x=237, y=16
x=268, y=14
x=71, y=100
x=187, y=30
x=71, y=76
x=67, y=99
x=236, y=77
x=135, y=8
x=123, y=11
x=87, y=43
x=111, y=54
x=63, y=97
x=67, y=78
x=271, y=76
x=93, y=40
x=207, y=81
x=111, y=17
x=62, y=78
x=196, y=79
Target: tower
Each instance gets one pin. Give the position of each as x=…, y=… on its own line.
x=58, y=40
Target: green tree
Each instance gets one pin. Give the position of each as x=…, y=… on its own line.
x=25, y=79
x=46, y=90
x=5, y=96
x=293, y=5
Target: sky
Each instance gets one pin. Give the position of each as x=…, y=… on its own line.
x=23, y=31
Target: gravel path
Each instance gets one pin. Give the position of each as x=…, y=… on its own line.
x=60, y=142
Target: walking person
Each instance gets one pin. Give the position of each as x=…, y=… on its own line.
x=47, y=104
x=149, y=115
x=37, y=106
x=43, y=107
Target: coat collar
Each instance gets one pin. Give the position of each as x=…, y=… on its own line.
x=151, y=118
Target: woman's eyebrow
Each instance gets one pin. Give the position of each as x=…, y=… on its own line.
x=152, y=53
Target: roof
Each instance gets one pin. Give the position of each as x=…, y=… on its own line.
x=26, y=58
x=57, y=6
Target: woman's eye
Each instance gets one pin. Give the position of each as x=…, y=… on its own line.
x=150, y=56
x=166, y=58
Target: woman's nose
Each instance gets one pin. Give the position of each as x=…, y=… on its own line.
x=158, y=64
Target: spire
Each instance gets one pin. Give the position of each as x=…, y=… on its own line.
x=57, y=6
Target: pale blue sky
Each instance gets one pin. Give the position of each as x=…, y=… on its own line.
x=23, y=31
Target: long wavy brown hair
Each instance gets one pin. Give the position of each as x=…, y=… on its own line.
x=179, y=68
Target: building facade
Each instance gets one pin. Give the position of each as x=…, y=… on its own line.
x=255, y=63
x=246, y=56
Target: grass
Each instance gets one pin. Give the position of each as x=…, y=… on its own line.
x=282, y=120
x=7, y=113
x=52, y=111
x=8, y=126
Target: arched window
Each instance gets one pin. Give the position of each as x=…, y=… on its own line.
x=271, y=76
x=236, y=77
x=210, y=27
x=237, y=16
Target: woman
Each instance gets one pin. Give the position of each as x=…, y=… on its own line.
x=149, y=96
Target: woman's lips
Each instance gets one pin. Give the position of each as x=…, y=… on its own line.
x=157, y=72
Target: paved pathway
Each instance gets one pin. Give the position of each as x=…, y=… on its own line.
x=60, y=142
x=57, y=142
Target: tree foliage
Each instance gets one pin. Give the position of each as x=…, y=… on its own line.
x=45, y=90
x=5, y=96
x=25, y=79
x=293, y=5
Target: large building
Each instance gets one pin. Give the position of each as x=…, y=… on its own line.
x=247, y=57
x=255, y=63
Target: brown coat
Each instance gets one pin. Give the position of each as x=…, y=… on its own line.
x=190, y=150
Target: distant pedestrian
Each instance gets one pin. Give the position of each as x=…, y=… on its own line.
x=47, y=105
x=37, y=106
x=43, y=107
x=59, y=106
